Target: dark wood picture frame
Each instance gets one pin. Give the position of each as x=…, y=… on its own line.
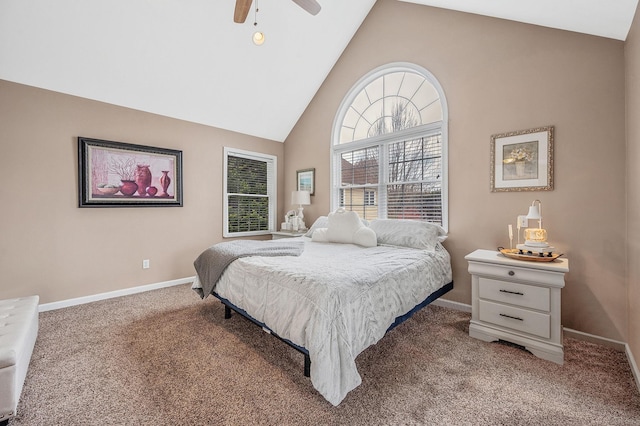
x=117, y=174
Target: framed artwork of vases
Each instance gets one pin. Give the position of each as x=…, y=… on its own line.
x=117, y=174
x=522, y=160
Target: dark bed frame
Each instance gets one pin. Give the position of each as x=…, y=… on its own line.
x=228, y=307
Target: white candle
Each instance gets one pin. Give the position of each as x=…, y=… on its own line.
x=510, y=232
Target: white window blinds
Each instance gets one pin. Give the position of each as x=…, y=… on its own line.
x=250, y=188
x=400, y=179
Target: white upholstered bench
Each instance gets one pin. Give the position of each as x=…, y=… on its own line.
x=18, y=332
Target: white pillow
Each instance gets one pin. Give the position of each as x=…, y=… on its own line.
x=408, y=233
x=320, y=235
x=321, y=222
x=344, y=227
x=365, y=237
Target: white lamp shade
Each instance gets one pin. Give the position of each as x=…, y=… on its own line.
x=301, y=198
x=534, y=213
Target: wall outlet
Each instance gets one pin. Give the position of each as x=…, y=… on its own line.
x=145, y=264
x=523, y=222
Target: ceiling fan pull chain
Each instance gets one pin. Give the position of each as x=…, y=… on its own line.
x=255, y=15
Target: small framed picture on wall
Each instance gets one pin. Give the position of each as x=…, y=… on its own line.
x=306, y=180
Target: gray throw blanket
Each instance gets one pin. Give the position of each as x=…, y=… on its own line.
x=213, y=261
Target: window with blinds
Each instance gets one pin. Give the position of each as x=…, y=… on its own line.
x=250, y=193
x=411, y=187
x=389, y=147
x=414, y=189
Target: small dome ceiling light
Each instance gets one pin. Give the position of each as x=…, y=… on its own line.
x=258, y=38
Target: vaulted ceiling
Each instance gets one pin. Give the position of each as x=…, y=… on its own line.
x=187, y=59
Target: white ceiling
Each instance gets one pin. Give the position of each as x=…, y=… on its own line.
x=187, y=59
x=604, y=18
x=180, y=58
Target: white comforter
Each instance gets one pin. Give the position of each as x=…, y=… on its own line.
x=335, y=300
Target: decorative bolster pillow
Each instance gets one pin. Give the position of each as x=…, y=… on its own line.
x=345, y=227
x=323, y=222
x=342, y=225
x=365, y=237
x=320, y=235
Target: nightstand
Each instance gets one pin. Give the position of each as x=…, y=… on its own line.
x=286, y=234
x=517, y=301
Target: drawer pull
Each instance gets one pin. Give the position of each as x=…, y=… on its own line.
x=509, y=316
x=512, y=292
x=511, y=273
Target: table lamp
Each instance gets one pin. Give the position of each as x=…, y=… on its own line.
x=301, y=198
x=535, y=238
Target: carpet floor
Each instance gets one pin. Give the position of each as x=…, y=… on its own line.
x=165, y=357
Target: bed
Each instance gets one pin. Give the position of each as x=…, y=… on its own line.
x=334, y=299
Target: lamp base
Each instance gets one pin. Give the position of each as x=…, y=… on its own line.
x=300, y=216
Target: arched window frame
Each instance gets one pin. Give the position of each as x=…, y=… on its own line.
x=378, y=141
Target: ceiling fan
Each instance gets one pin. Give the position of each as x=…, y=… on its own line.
x=243, y=6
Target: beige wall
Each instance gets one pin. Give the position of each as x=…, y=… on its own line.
x=501, y=76
x=632, y=61
x=50, y=247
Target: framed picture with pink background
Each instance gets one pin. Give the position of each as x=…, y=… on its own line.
x=117, y=174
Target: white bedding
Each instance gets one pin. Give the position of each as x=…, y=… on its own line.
x=335, y=300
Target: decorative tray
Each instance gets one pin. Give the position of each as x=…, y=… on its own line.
x=531, y=257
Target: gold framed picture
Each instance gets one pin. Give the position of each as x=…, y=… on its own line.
x=522, y=160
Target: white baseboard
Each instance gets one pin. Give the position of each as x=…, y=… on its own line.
x=452, y=305
x=111, y=294
x=615, y=344
x=633, y=365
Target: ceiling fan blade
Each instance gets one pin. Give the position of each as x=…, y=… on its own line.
x=242, y=10
x=311, y=6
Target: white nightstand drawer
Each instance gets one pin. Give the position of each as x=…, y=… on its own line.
x=528, y=296
x=531, y=322
x=511, y=272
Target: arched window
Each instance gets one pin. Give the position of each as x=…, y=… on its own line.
x=389, y=146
